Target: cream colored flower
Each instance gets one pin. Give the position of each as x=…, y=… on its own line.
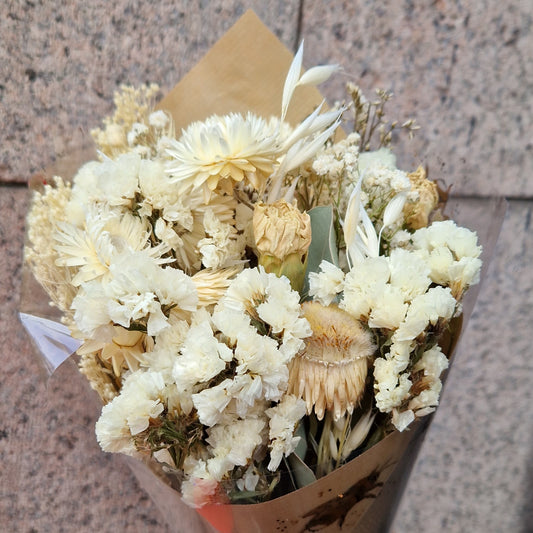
x=222, y=150
x=416, y=214
x=124, y=351
x=330, y=373
x=282, y=236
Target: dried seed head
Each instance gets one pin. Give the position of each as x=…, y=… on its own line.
x=330, y=373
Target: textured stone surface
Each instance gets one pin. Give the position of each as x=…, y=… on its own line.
x=463, y=70
x=60, y=63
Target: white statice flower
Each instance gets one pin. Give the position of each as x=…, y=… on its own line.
x=211, y=402
x=432, y=363
x=388, y=309
x=233, y=444
x=392, y=388
x=199, y=487
x=283, y=419
x=202, y=357
x=437, y=303
x=391, y=383
x=259, y=356
x=166, y=234
x=111, y=181
x=138, y=289
x=221, y=247
x=452, y=254
x=158, y=119
x=363, y=285
x=409, y=273
x=325, y=285
x=129, y=413
x=268, y=298
x=137, y=131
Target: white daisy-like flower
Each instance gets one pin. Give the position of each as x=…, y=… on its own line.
x=213, y=153
x=106, y=235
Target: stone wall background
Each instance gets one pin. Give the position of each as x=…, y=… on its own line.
x=463, y=69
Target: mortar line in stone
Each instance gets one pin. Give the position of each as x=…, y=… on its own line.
x=16, y=184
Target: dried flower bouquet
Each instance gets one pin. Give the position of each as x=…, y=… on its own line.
x=257, y=302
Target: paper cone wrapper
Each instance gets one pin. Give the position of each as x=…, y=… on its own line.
x=245, y=71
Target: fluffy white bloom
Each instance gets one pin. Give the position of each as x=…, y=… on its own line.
x=166, y=234
x=363, y=285
x=199, y=487
x=113, y=182
x=409, y=273
x=233, y=444
x=137, y=289
x=392, y=389
x=388, y=309
x=202, y=357
x=136, y=132
x=158, y=119
x=211, y=402
x=283, y=419
x=432, y=363
x=129, y=413
x=326, y=284
x=266, y=297
x=426, y=309
x=221, y=247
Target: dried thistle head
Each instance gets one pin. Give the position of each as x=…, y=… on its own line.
x=330, y=374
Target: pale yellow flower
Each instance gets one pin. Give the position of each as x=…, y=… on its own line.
x=224, y=150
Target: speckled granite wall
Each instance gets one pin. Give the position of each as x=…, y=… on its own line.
x=464, y=70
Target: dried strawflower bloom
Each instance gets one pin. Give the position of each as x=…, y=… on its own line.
x=221, y=151
x=416, y=214
x=282, y=236
x=330, y=373
x=124, y=351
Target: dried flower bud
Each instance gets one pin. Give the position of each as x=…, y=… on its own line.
x=417, y=214
x=282, y=235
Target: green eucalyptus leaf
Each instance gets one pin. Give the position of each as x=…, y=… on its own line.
x=323, y=240
x=301, y=447
x=300, y=471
